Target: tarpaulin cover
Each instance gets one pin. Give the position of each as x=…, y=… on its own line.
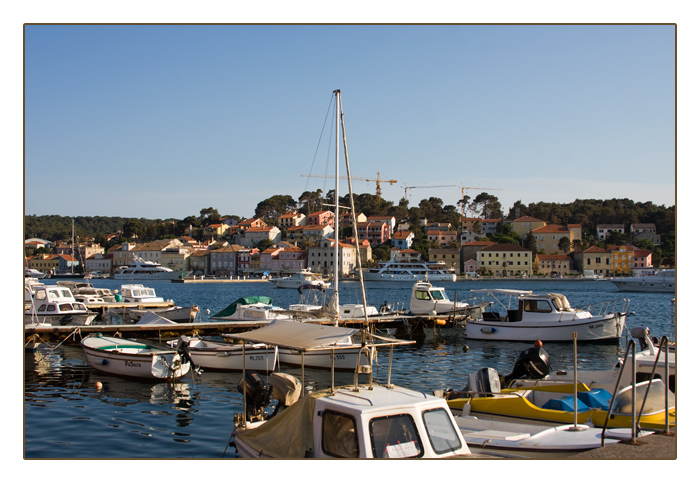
x=287, y=435
x=297, y=335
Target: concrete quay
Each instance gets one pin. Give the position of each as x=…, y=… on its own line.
x=658, y=446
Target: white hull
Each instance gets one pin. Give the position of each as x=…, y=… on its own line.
x=432, y=277
x=176, y=314
x=229, y=357
x=629, y=286
x=344, y=359
x=148, y=276
x=122, y=357
x=608, y=328
x=60, y=320
x=530, y=440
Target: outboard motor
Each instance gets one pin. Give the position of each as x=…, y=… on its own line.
x=532, y=363
x=257, y=394
x=482, y=383
x=183, y=349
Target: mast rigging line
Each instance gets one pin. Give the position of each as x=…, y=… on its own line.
x=318, y=144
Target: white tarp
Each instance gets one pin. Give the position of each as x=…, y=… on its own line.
x=297, y=335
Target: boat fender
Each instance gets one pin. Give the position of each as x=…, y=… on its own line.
x=488, y=330
x=104, y=362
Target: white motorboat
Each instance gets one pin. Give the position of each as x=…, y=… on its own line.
x=85, y=292
x=124, y=357
x=137, y=293
x=140, y=269
x=54, y=305
x=407, y=271
x=660, y=281
x=33, y=273
x=548, y=317
x=223, y=356
x=429, y=300
x=300, y=279
x=251, y=309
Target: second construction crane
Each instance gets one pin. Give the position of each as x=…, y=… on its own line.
x=406, y=188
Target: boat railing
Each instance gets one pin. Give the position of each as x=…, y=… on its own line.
x=608, y=307
x=636, y=418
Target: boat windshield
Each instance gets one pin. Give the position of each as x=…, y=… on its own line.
x=655, y=402
x=438, y=295
x=395, y=436
x=441, y=431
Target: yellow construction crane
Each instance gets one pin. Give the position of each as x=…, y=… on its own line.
x=406, y=188
x=379, y=181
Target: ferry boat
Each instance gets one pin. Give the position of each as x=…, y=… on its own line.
x=140, y=269
x=410, y=271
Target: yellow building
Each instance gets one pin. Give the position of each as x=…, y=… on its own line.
x=505, y=260
x=622, y=259
x=547, y=237
x=597, y=259
x=525, y=224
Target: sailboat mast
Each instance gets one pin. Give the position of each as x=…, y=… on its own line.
x=336, y=227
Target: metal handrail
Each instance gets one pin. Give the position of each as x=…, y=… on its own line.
x=630, y=345
x=636, y=418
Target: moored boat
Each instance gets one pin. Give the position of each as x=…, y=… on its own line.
x=547, y=317
x=140, y=269
x=54, y=305
x=410, y=271
x=660, y=281
x=299, y=279
x=124, y=357
x=224, y=356
x=251, y=309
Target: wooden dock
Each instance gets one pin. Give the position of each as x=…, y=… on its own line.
x=407, y=326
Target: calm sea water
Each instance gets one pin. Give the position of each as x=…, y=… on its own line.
x=66, y=416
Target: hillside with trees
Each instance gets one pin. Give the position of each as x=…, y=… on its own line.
x=589, y=213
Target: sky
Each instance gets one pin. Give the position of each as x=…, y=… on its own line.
x=162, y=121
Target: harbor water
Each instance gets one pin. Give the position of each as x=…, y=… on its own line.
x=71, y=411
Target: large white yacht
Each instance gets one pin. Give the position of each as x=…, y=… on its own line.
x=410, y=271
x=140, y=269
x=661, y=281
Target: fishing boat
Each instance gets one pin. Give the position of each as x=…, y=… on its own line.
x=140, y=269
x=359, y=421
x=299, y=279
x=547, y=317
x=659, y=281
x=129, y=358
x=396, y=270
x=54, y=305
x=368, y=420
x=224, y=356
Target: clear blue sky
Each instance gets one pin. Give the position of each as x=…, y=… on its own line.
x=162, y=121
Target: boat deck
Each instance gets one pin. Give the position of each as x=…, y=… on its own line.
x=658, y=446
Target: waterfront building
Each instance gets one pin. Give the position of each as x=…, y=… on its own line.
x=505, y=260
x=553, y=264
x=321, y=258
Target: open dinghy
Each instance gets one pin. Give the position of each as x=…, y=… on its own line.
x=124, y=357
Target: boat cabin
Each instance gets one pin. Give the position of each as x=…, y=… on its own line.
x=532, y=307
x=138, y=293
